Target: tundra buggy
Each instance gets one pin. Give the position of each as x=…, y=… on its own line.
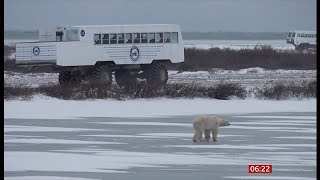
x=302, y=39
x=92, y=53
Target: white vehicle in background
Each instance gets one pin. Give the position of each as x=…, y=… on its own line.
x=92, y=53
x=302, y=39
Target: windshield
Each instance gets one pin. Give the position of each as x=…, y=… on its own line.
x=291, y=34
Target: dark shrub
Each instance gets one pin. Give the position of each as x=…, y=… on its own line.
x=260, y=56
x=281, y=91
x=87, y=91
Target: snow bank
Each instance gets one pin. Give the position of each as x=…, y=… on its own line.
x=237, y=44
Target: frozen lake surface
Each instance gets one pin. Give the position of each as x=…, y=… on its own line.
x=135, y=148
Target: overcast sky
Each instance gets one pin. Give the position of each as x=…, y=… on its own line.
x=191, y=15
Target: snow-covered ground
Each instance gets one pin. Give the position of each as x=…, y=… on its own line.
x=238, y=44
x=47, y=138
x=251, y=77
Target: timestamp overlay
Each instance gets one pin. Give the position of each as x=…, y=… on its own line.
x=260, y=168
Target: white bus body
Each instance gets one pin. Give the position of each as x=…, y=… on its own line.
x=81, y=50
x=112, y=45
x=302, y=39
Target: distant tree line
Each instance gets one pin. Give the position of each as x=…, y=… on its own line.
x=264, y=57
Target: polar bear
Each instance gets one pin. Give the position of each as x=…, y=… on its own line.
x=207, y=124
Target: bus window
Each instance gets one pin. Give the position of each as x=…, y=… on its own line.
x=97, y=39
x=72, y=35
x=167, y=37
x=136, y=37
x=293, y=34
x=113, y=38
x=144, y=37
x=105, y=38
x=120, y=38
x=152, y=38
x=159, y=37
x=174, y=37
x=128, y=38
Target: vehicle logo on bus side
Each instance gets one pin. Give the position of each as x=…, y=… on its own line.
x=82, y=33
x=134, y=53
x=36, y=51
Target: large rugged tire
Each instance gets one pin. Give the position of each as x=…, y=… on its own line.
x=304, y=46
x=64, y=77
x=125, y=79
x=157, y=75
x=101, y=75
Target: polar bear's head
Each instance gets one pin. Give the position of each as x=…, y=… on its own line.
x=222, y=122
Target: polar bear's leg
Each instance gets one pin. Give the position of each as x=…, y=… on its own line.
x=215, y=134
x=207, y=135
x=201, y=136
x=195, y=138
x=197, y=135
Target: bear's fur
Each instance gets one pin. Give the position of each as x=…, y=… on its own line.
x=206, y=124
